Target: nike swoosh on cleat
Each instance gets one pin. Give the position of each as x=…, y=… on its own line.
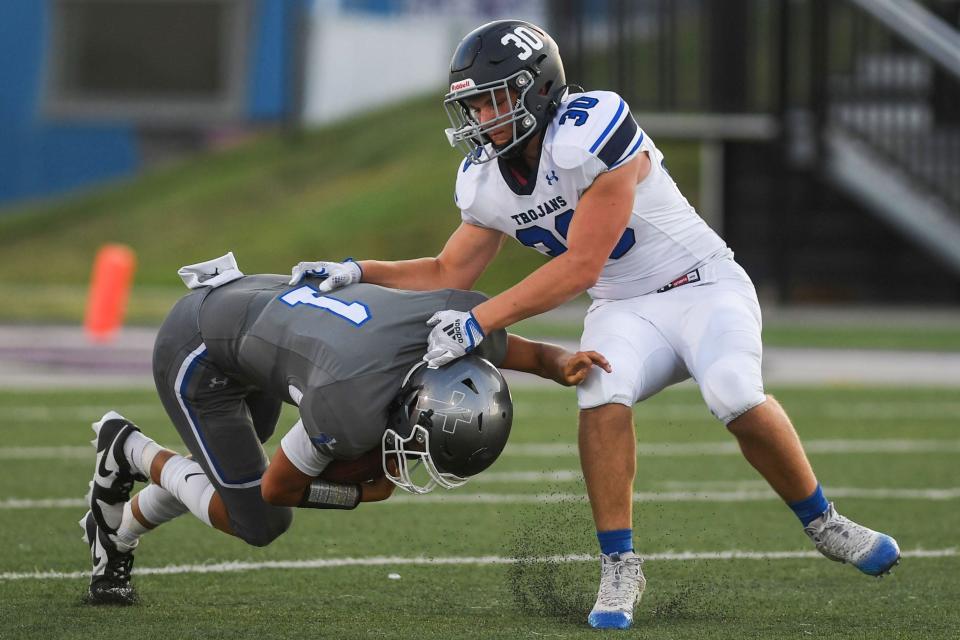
x=98, y=560
x=102, y=467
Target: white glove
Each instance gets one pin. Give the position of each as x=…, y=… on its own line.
x=454, y=335
x=336, y=274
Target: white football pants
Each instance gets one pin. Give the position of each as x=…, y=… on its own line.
x=708, y=330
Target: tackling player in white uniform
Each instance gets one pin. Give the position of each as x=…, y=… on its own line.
x=593, y=134
x=573, y=176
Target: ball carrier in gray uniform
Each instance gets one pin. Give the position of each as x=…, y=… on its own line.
x=228, y=356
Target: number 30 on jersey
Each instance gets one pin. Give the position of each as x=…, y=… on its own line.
x=544, y=241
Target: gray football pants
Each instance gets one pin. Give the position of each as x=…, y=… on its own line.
x=222, y=422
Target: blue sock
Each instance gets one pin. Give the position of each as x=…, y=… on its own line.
x=616, y=541
x=810, y=508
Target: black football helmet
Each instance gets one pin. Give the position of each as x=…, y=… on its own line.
x=453, y=422
x=505, y=55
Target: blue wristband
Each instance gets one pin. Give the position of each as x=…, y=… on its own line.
x=472, y=327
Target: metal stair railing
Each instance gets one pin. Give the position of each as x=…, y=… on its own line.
x=888, y=76
x=917, y=25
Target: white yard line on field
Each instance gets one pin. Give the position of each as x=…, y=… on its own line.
x=676, y=496
x=539, y=477
x=552, y=449
x=880, y=410
x=48, y=453
x=730, y=447
x=58, y=453
x=387, y=561
x=889, y=410
x=74, y=413
x=42, y=503
x=920, y=410
x=705, y=495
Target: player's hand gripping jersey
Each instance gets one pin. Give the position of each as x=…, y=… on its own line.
x=591, y=133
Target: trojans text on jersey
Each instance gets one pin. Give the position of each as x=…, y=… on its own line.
x=543, y=209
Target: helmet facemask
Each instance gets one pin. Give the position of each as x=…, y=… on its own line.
x=470, y=136
x=415, y=462
x=416, y=471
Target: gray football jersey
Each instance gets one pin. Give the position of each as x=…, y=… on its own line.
x=345, y=352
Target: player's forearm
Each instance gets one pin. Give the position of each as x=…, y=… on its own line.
x=421, y=274
x=546, y=288
x=539, y=358
x=552, y=359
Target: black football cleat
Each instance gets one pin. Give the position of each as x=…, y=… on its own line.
x=113, y=476
x=110, y=577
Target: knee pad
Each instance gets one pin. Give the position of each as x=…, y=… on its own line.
x=731, y=387
x=602, y=388
x=617, y=387
x=260, y=532
x=636, y=376
x=643, y=362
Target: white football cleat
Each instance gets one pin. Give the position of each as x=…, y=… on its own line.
x=843, y=540
x=621, y=585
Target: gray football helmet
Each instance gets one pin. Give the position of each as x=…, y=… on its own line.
x=447, y=424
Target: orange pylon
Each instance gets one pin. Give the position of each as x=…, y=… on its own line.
x=109, y=289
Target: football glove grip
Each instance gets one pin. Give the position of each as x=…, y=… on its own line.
x=454, y=335
x=336, y=274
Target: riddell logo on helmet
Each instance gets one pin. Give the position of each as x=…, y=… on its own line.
x=462, y=84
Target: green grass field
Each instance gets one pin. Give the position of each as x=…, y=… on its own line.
x=897, y=447
x=914, y=336
x=376, y=186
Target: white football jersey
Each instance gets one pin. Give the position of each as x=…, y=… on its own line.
x=593, y=132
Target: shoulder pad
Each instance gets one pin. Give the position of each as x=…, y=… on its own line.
x=596, y=123
x=468, y=175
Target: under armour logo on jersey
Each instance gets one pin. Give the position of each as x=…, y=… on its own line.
x=452, y=410
x=551, y=177
x=218, y=383
x=322, y=439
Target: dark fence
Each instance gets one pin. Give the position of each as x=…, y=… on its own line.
x=822, y=66
x=675, y=55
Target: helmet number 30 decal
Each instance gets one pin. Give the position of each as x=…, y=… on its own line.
x=525, y=40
